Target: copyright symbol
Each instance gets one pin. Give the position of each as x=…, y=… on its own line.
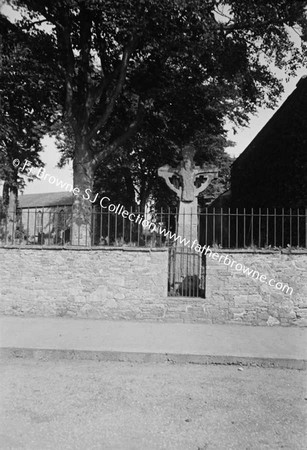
x=16, y=162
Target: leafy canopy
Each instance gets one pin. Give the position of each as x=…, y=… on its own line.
x=28, y=102
x=137, y=69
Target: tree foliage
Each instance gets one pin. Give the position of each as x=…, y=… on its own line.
x=27, y=100
x=130, y=176
x=141, y=69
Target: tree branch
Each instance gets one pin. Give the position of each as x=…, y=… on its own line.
x=85, y=79
x=116, y=91
x=241, y=26
x=222, y=14
x=38, y=22
x=95, y=92
x=102, y=45
x=42, y=9
x=131, y=130
x=69, y=64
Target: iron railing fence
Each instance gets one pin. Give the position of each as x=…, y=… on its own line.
x=36, y=226
x=259, y=228
x=225, y=228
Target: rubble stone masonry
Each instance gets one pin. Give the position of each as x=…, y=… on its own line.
x=131, y=284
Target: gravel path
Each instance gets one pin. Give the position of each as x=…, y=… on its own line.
x=98, y=405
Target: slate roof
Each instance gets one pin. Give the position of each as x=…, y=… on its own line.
x=45, y=200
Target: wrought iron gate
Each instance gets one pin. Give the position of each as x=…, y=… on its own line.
x=186, y=273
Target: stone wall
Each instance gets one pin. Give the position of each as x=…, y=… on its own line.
x=234, y=297
x=131, y=284
x=108, y=283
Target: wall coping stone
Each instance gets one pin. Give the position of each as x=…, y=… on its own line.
x=260, y=251
x=152, y=249
x=79, y=248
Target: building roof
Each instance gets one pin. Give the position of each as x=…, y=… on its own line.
x=45, y=200
x=295, y=102
x=222, y=201
x=272, y=171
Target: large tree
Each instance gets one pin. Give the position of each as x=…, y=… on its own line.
x=124, y=60
x=27, y=101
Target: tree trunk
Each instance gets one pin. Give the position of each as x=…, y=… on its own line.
x=143, y=196
x=9, y=211
x=83, y=174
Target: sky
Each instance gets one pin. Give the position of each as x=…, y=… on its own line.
x=50, y=156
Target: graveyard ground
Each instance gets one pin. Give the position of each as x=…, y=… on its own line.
x=115, y=405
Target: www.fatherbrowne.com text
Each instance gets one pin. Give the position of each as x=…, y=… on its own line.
x=152, y=227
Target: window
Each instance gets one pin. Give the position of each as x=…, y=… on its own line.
x=61, y=220
x=39, y=222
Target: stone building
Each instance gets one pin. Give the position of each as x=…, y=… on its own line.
x=45, y=218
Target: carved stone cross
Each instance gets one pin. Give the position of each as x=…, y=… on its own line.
x=188, y=174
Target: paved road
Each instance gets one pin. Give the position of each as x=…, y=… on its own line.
x=104, y=405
